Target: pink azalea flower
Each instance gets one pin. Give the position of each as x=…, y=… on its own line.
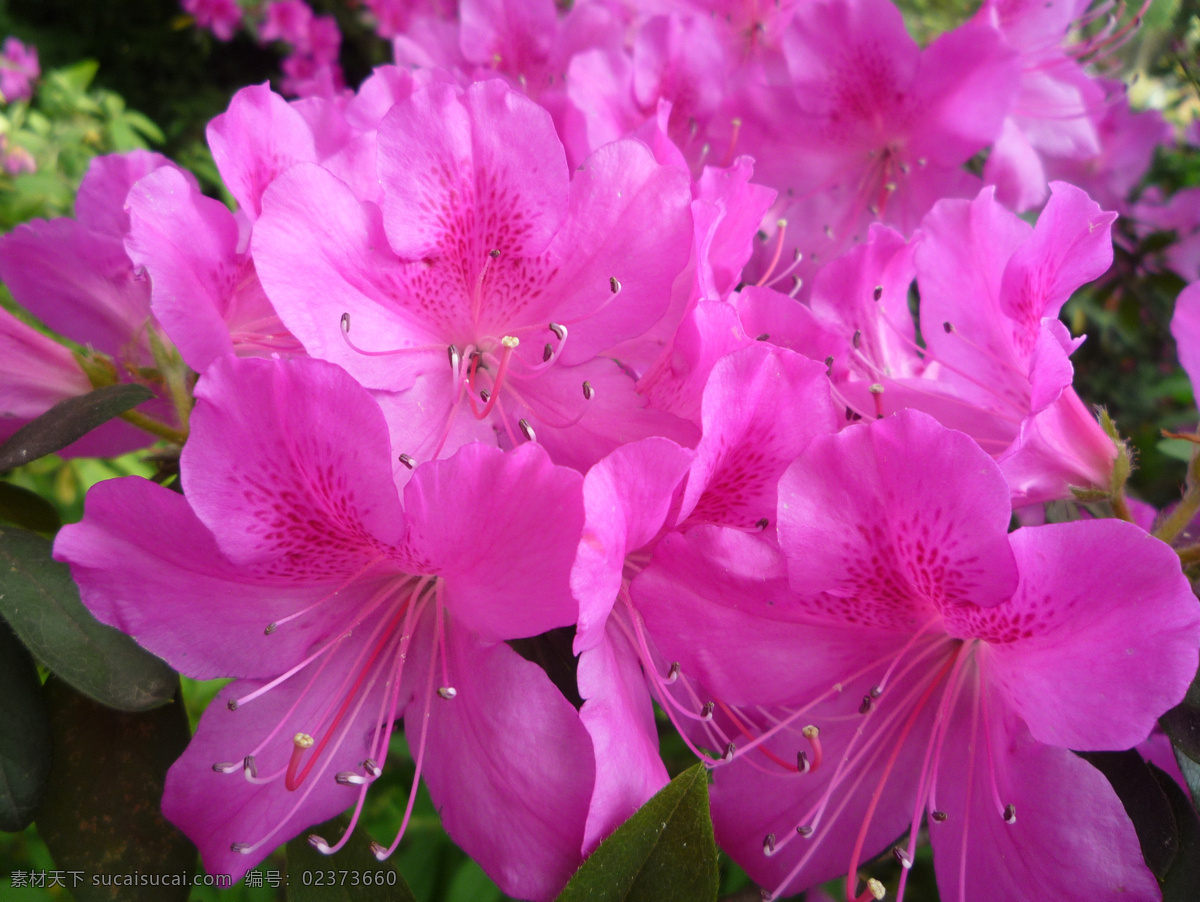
x=1180, y=213
x=294, y=566
x=916, y=657
x=887, y=125
x=1185, y=328
x=221, y=17
x=288, y=21
x=18, y=70
x=762, y=405
x=486, y=255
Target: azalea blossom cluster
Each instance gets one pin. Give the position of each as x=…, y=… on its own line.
x=607, y=321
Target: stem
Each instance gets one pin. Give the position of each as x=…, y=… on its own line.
x=174, y=373
x=1189, y=554
x=1187, y=508
x=154, y=427
x=1120, y=507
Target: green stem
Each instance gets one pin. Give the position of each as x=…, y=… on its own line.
x=154, y=427
x=1189, y=554
x=1121, y=507
x=1188, y=507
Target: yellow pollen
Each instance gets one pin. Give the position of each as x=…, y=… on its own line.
x=810, y=732
x=876, y=888
x=303, y=741
x=510, y=341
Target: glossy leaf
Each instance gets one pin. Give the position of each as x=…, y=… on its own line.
x=1146, y=804
x=41, y=602
x=664, y=853
x=24, y=734
x=68, y=421
x=27, y=509
x=344, y=876
x=1180, y=882
x=101, y=814
x=1182, y=723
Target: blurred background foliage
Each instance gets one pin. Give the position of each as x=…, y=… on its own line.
x=126, y=74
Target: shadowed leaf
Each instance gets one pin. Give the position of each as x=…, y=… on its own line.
x=664, y=853
x=344, y=876
x=1146, y=804
x=101, y=814
x=1180, y=882
x=41, y=602
x=27, y=509
x=24, y=735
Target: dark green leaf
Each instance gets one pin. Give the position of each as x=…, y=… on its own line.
x=24, y=735
x=1145, y=803
x=41, y=603
x=1181, y=880
x=101, y=814
x=27, y=509
x=68, y=421
x=664, y=853
x=1191, y=772
x=343, y=877
x=1182, y=723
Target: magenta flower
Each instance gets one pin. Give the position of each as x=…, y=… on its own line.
x=916, y=657
x=484, y=255
x=293, y=566
x=221, y=17
x=288, y=21
x=1185, y=328
x=19, y=69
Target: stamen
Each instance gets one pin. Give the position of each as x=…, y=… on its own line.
x=560, y=331
x=371, y=767
x=813, y=735
x=349, y=778
x=407, y=461
x=706, y=714
x=802, y=763
x=547, y=352
x=527, y=430
x=447, y=692
x=249, y=767
x=878, y=293
x=232, y=704
x=242, y=847
x=765, y=336
x=225, y=767
x=614, y=285
x=345, y=323
x=301, y=743
x=508, y=344
x=804, y=831
x=903, y=857
x=673, y=673
x=379, y=851
x=1010, y=813
x=455, y=360
x=762, y=524
x=319, y=844
x=867, y=704
x=778, y=250
x=938, y=816
x=588, y=391
x=730, y=752
x=769, y=845
x=856, y=339
x=797, y=282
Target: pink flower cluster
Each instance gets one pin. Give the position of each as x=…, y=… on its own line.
x=19, y=69
x=603, y=320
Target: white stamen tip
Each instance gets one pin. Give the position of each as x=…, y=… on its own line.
x=452, y=354
x=560, y=332
x=232, y=704
x=510, y=342
x=762, y=524
x=242, y=847
x=407, y=460
x=225, y=767
x=876, y=889
x=447, y=692
x=249, y=767
x=903, y=857
x=346, y=323
x=802, y=763
x=730, y=751
x=707, y=713
x=319, y=844
x=673, y=672
x=350, y=778
x=1010, y=814
x=527, y=430
x=769, y=845
x=380, y=852
x=371, y=767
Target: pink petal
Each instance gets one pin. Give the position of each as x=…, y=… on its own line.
x=1185, y=328
x=100, y=203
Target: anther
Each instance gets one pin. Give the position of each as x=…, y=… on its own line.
x=249, y=767
x=867, y=704
x=371, y=767
x=270, y=628
x=447, y=692
x=890, y=187
x=242, y=847
x=452, y=354
x=763, y=337
x=797, y=284
x=762, y=524
x=232, y=704
x=730, y=751
x=829, y=365
x=857, y=339
x=614, y=285
x=494, y=253
x=588, y=391
x=673, y=672
x=769, y=845
x=876, y=691
x=1010, y=814
x=938, y=816
x=484, y=394
x=802, y=764
x=379, y=851
x=560, y=331
x=319, y=844
x=878, y=292
x=947, y=327
x=706, y=714
x=350, y=778
x=903, y=857
x=804, y=831
x=547, y=352
x=225, y=767
x=407, y=461
x=346, y=323
x=527, y=430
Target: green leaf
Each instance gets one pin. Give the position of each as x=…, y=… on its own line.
x=664, y=853
x=343, y=877
x=1182, y=723
x=27, y=509
x=1180, y=882
x=24, y=735
x=41, y=603
x=69, y=420
x=1146, y=804
x=101, y=812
